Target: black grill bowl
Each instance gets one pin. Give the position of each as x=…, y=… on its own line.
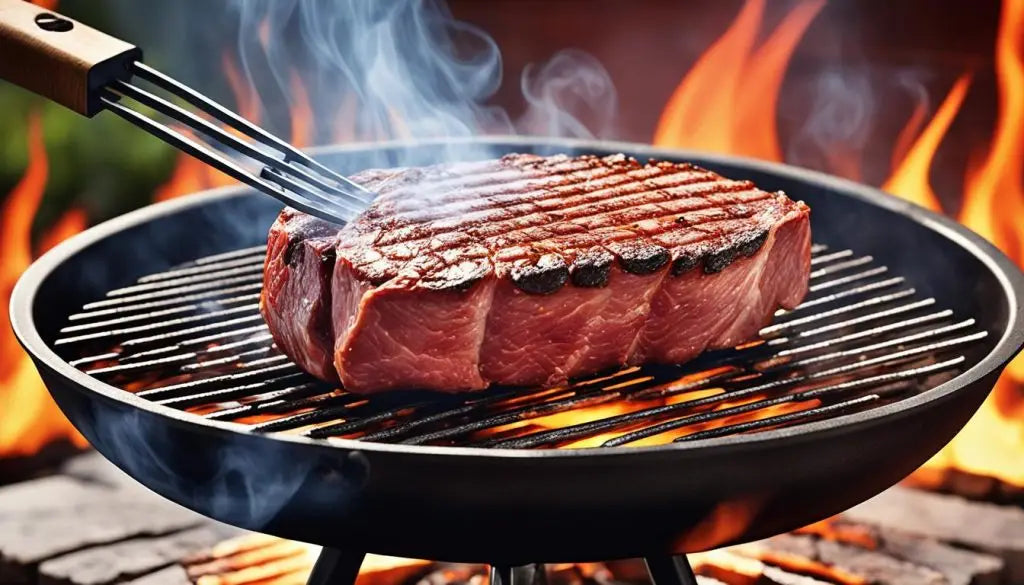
x=518, y=506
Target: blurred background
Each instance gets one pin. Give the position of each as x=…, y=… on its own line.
x=924, y=99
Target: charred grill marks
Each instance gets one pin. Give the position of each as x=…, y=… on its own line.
x=746, y=246
x=660, y=200
x=684, y=262
x=546, y=276
x=641, y=258
x=591, y=269
x=457, y=278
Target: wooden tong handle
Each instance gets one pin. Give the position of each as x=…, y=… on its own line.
x=59, y=58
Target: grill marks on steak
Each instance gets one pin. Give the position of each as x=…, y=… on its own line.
x=530, y=270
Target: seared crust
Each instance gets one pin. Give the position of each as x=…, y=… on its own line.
x=543, y=222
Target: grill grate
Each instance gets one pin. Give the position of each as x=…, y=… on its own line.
x=192, y=338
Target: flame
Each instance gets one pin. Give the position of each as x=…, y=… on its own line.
x=247, y=101
x=610, y=403
x=910, y=179
x=28, y=418
x=727, y=521
x=992, y=442
x=727, y=102
x=301, y=113
x=72, y=222
x=344, y=124
x=905, y=139
x=191, y=175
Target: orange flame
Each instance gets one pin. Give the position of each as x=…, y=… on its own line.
x=727, y=102
x=189, y=176
x=72, y=222
x=910, y=179
x=247, y=101
x=301, y=113
x=992, y=443
x=28, y=418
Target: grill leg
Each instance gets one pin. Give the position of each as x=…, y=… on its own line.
x=336, y=567
x=671, y=570
x=524, y=575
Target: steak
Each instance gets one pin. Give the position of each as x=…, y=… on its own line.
x=531, y=270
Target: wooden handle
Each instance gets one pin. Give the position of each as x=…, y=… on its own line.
x=59, y=58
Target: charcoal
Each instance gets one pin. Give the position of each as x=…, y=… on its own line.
x=93, y=468
x=871, y=566
x=136, y=557
x=959, y=566
x=35, y=536
x=995, y=529
x=735, y=569
x=48, y=493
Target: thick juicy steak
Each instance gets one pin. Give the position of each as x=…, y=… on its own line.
x=531, y=270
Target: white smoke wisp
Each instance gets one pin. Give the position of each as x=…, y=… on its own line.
x=570, y=95
x=835, y=132
x=407, y=69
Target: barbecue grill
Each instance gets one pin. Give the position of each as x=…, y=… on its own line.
x=147, y=333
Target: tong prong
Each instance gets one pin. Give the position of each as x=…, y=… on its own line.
x=191, y=120
x=215, y=132
x=331, y=212
x=226, y=116
x=347, y=211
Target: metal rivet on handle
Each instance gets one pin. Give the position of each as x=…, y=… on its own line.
x=54, y=23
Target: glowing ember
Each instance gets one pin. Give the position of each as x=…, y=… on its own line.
x=29, y=419
x=256, y=558
x=838, y=531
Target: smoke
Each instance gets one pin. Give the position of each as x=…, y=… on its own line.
x=407, y=69
x=241, y=484
x=835, y=132
x=570, y=95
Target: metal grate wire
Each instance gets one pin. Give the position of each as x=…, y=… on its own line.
x=192, y=338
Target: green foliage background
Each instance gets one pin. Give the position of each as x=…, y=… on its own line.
x=102, y=165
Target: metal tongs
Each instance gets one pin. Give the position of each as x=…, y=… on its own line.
x=89, y=71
